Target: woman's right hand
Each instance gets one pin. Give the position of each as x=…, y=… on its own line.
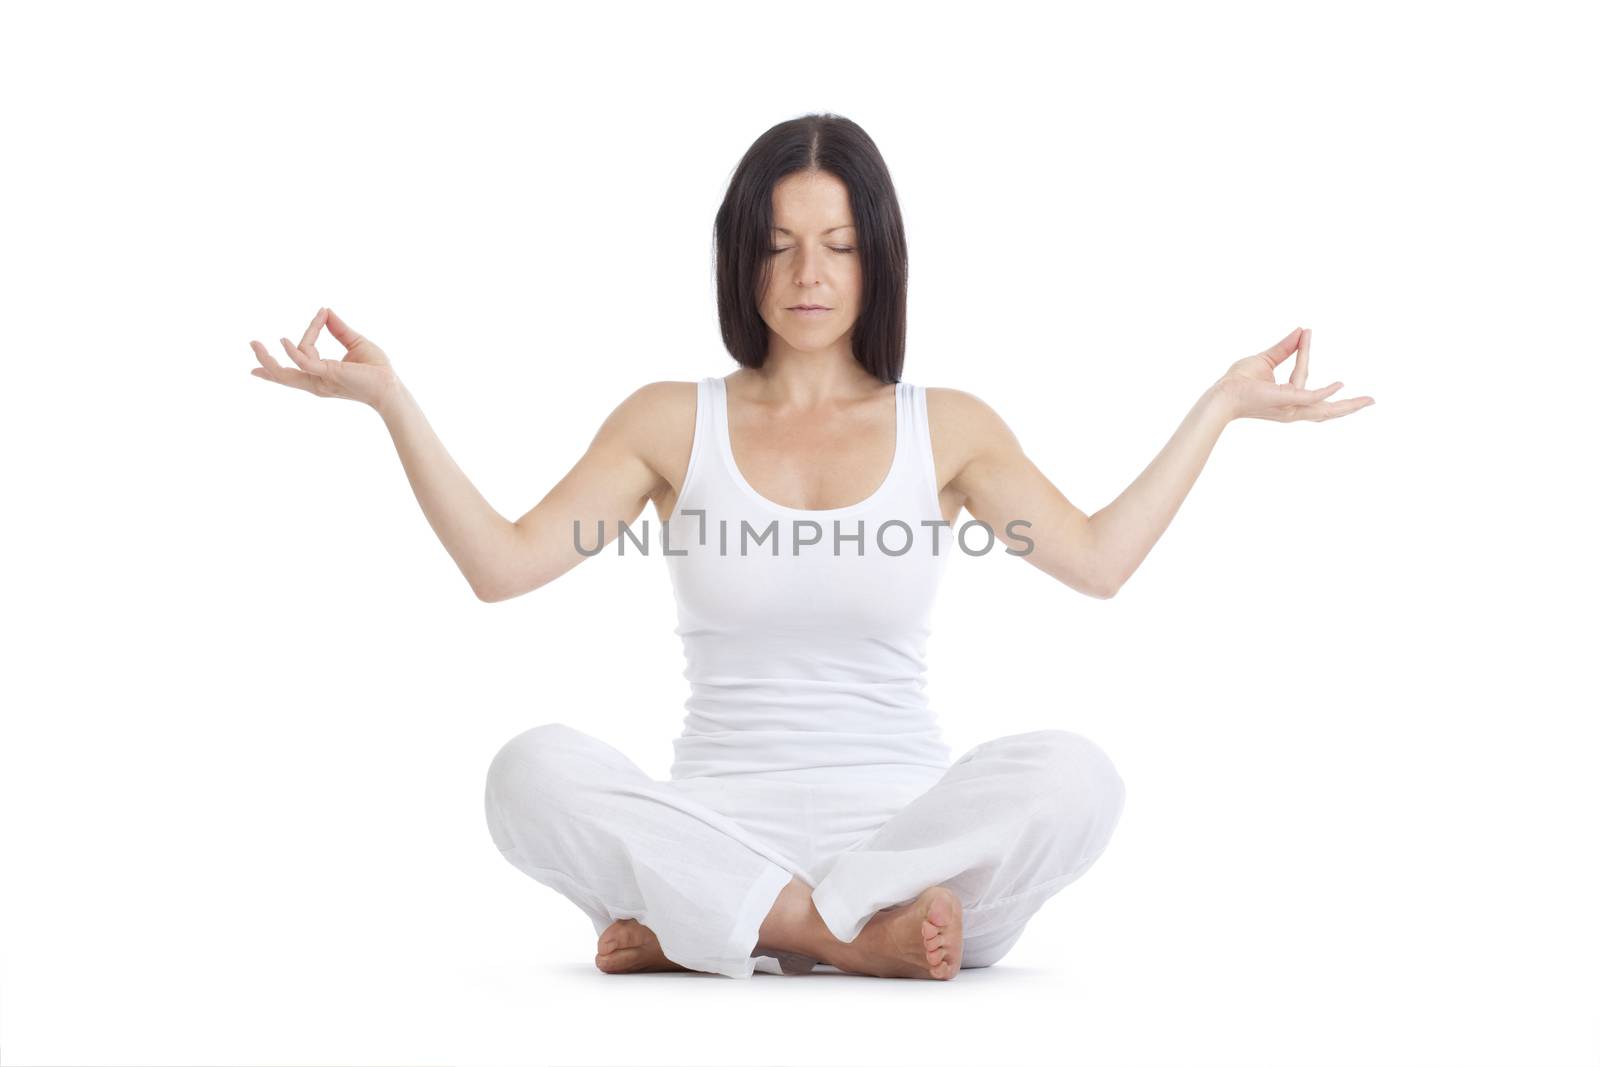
x=364, y=374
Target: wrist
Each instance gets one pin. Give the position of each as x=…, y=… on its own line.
x=1219, y=402
x=393, y=395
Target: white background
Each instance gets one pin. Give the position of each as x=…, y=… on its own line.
x=250, y=700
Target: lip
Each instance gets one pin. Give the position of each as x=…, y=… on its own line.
x=812, y=310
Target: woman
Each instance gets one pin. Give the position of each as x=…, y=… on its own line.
x=813, y=812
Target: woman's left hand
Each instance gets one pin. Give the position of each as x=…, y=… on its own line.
x=1250, y=391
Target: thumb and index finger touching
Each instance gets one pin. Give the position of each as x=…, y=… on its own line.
x=1280, y=351
x=305, y=355
x=1297, y=341
x=340, y=330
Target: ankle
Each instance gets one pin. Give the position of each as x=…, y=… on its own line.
x=793, y=925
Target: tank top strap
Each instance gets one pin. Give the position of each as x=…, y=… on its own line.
x=922, y=472
x=904, y=398
x=702, y=451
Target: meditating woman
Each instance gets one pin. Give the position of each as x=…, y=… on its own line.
x=808, y=501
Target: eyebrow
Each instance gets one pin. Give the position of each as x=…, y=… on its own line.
x=830, y=229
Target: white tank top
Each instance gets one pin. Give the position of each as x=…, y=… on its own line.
x=807, y=660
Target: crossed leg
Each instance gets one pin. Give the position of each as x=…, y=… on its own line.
x=1011, y=823
x=577, y=815
x=947, y=882
x=919, y=940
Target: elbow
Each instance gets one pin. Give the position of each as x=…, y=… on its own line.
x=1091, y=585
x=493, y=592
x=1105, y=587
x=490, y=592
x=1106, y=575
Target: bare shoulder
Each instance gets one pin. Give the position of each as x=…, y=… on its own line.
x=962, y=425
x=656, y=421
x=657, y=400
x=650, y=408
x=961, y=411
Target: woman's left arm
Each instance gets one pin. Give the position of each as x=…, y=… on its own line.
x=1097, y=554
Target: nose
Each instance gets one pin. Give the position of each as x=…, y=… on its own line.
x=806, y=270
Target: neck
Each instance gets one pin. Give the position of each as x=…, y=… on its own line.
x=799, y=380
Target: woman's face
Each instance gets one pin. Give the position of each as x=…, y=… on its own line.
x=814, y=260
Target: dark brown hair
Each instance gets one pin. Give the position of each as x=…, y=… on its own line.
x=742, y=236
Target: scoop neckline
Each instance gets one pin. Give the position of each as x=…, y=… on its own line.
x=726, y=441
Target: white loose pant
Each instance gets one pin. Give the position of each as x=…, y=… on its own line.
x=700, y=861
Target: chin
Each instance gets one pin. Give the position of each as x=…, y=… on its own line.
x=821, y=335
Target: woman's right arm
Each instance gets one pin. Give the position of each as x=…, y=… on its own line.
x=499, y=559
x=611, y=482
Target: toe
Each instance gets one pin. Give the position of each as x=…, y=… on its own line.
x=611, y=937
x=624, y=959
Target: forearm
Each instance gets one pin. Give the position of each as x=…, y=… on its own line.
x=472, y=532
x=1126, y=529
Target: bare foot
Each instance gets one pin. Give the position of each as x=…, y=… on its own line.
x=628, y=945
x=921, y=939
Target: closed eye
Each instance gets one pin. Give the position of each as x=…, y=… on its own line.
x=775, y=251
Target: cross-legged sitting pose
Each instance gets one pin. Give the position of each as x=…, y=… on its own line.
x=807, y=504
